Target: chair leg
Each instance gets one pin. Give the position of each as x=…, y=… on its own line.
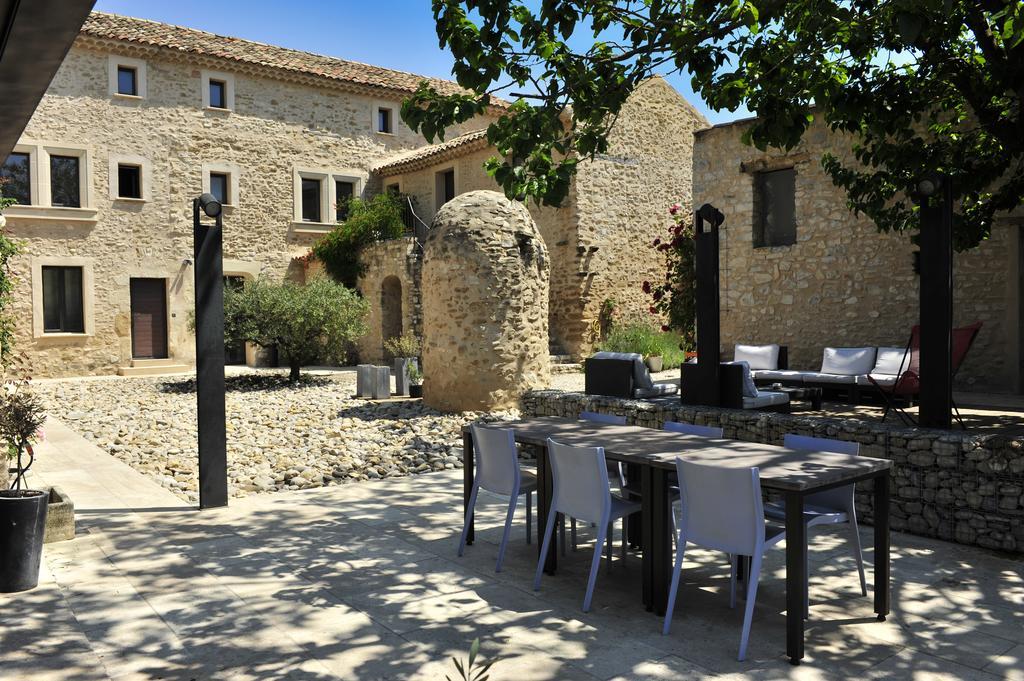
x=529, y=517
x=508, y=530
x=625, y=543
x=561, y=533
x=858, y=552
x=595, y=563
x=677, y=567
x=807, y=575
x=610, y=531
x=572, y=531
x=956, y=413
x=549, y=529
x=748, y=615
x=469, y=514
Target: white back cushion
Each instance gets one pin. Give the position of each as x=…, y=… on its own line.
x=749, y=388
x=641, y=377
x=848, y=361
x=889, y=361
x=757, y=356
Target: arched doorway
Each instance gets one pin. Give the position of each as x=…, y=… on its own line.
x=390, y=309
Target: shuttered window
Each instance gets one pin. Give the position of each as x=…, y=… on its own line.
x=775, y=208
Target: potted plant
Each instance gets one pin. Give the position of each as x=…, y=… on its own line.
x=415, y=381
x=405, y=349
x=22, y=511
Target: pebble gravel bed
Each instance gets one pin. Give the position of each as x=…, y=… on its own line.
x=280, y=436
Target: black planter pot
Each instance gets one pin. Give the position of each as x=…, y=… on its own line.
x=22, y=526
x=415, y=391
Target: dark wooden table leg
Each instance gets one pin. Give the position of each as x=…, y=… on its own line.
x=545, y=490
x=634, y=524
x=656, y=536
x=796, y=537
x=881, y=518
x=467, y=480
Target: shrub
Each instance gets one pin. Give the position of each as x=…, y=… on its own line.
x=378, y=219
x=676, y=297
x=640, y=338
x=406, y=345
x=318, y=320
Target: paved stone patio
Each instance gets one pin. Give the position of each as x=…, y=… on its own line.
x=361, y=581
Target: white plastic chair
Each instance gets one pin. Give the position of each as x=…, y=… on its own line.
x=831, y=507
x=580, y=481
x=693, y=429
x=722, y=510
x=614, y=468
x=497, y=470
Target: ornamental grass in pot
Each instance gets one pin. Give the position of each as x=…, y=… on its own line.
x=22, y=510
x=415, y=381
x=405, y=349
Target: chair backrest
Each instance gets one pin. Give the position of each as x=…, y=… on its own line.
x=722, y=507
x=693, y=429
x=963, y=339
x=580, y=478
x=497, y=463
x=613, y=419
x=641, y=376
x=610, y=377
x=839, y=498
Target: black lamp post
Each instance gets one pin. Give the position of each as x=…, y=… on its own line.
x=934, y=194
x=700, y=383
x=209, y=283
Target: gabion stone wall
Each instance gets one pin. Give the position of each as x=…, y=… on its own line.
x=485, y=305
x=954, y=485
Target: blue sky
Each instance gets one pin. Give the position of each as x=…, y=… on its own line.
x=397, y=34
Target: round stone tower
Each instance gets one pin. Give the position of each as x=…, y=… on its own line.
x=485, y=305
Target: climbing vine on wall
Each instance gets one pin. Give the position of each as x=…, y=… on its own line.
x=675, y=297
x=8, y=249
x=378, y=219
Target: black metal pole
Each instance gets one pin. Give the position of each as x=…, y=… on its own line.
x=936, y=242
x=209, y=281
x=707, y=221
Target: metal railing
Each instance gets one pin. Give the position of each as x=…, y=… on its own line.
x=414, y=225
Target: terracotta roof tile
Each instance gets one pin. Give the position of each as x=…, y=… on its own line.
x=423, y=157
x=144, y=32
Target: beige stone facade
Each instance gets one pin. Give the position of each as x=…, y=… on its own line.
x=600, y=238
x=279, y=127
x=842, y=283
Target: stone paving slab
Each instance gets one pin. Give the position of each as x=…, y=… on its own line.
x=361, y=581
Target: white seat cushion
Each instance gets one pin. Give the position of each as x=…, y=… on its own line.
x=885, y=380
x=641, y=377
x=781, y=375
x=657, y=390
x=839, y=379
x=757, y=356
x=888, y=361
x=749, y=389
x=848, y=361
x=765, y=398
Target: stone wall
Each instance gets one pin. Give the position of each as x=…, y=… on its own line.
x=951, y=485
x=485, y=305
x=275, y=128
x=843, y=283
x=402, y=260
x=600, y=238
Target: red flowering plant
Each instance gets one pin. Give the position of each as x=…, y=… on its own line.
x=675, y=297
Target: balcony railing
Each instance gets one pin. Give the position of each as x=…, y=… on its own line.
x=414, y=225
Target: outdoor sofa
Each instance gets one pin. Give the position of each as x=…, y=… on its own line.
x=736, y=388
x=622, y=374
x=845, y=370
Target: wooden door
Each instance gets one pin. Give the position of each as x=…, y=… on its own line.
x=149, y=318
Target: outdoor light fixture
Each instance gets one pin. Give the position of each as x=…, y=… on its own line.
x=210, y=205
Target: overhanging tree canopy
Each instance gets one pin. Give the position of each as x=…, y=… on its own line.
x=921, y=85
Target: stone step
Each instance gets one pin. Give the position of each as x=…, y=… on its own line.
x=160, y=362
x=151, y=370
x=567, y=368
x=561, y=359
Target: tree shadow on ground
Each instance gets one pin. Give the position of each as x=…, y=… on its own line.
x=249, y=383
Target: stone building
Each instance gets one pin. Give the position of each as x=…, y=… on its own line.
x=800, y=269
x=143, y=116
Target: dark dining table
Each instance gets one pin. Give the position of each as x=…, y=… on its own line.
x=792, y=473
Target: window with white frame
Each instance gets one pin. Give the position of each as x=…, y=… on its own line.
x=323, y=197
x=385, y=120
x=129, y=177
x=62, y=300
x=16, y=177
x=127, y=77
x=218, y=90
x=444, y=187
x=221, y=180
x=48, y=177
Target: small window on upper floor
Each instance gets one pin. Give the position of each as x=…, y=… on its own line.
x=344, y=191
x=219, y=187
x=218, y=90
x=384, y=122
x=127, y=81
x=65, y=181
x=16, y=178
x=311, y=194
x=218, y=94
x=775, y=208
x=394, y=189
x=129, y=181
x=444, y=187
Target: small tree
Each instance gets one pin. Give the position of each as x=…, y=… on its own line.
x=676, y=297
x=378, y=219
x=318, y=320
x=21, y=418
